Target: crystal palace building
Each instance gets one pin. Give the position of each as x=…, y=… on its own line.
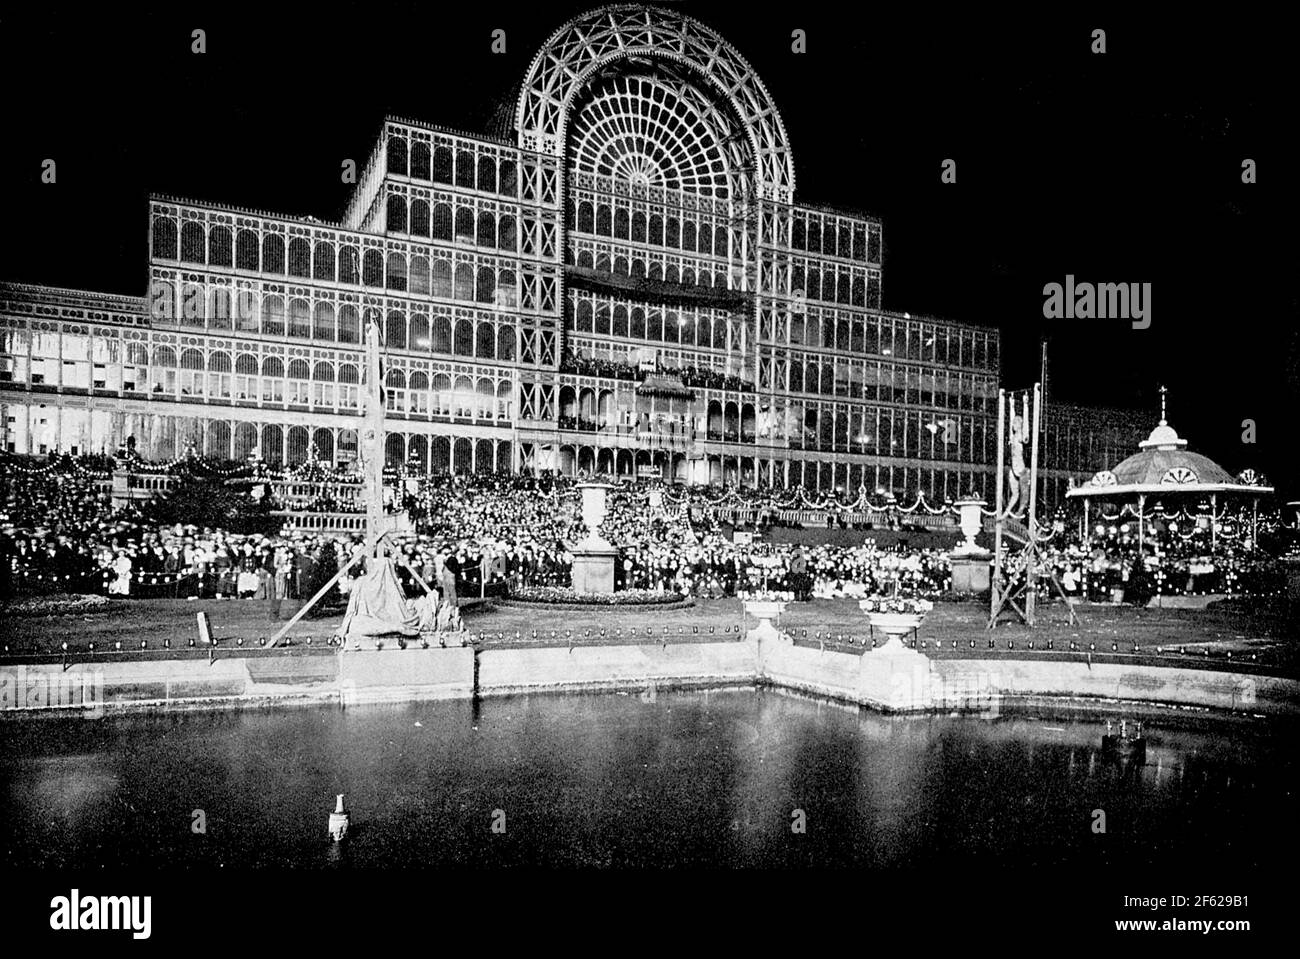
x=627, y=285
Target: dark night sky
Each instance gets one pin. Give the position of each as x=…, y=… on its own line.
x=1116, y=168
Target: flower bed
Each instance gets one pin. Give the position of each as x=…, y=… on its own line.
x=896, y=604
x=57, y=604
x=565, y=596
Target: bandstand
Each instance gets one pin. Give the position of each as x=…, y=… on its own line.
x=1165, y=479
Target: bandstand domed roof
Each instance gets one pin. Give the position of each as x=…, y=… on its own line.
x=1163, y=465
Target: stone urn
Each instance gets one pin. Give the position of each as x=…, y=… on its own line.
x=766, y=611
x=894, y=625
x=968, y=513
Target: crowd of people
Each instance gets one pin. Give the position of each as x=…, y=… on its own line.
x=59, y=531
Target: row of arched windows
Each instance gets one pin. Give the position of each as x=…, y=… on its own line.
x=345, y=264
x=323, y=322
x=638, y=269
x=455, y=168
x=637, y=323
x=458, y=224
x=835, y=238
x=834, y=286
x=637, y=226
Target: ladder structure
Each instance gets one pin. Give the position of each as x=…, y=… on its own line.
x=379, y=523
x=1018, y=564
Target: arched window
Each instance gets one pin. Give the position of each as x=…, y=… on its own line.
x=219, y=312
x=586, y=218
x=442, y=165
x=463, y=345
x=441, y=334
x=507, y=181
x=220, y=244
x=372, y=268
x=622, y=224
x=638, y=227
x=349, y=265
x=272, y=253
x=419, y=279
x=656, y=235
x=322, y=322
x=620, y=321
x=505, y=343
x=299, y=318
x=395, y=330
x=638, y=323
x=349, y=325
x=442, y=278
x=322, y=267
x=465, y=169
x=464, y=281
x=485, y=341
x=487, y=174
x=443, y=226
x=162, y=301
x=193, y=305
x=272, y=445
x=465, y=224
x=420, y=161
x=507, y=289
x=193, y=243
x=396, y=272
x=487, y=229
x=486, y=290
x=604, y=223
x=396, y=154
x=164, y=238
x=506, y=233
x=273, y=316
x=419, y=335
x=396, y=214
x=299, y=258
x=420, y=218
x=672, y=233
x=246, y=250
x=688, y=236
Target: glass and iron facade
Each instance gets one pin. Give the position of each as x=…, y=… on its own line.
x=626, y=285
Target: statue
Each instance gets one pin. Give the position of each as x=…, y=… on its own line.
x=1016, y=445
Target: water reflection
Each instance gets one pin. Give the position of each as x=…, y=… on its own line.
x=719, y=777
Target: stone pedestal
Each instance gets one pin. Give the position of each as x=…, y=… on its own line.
x=593, y=558
x=970, y=572
x=593, y=568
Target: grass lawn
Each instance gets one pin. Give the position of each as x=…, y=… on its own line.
x=1267, y=631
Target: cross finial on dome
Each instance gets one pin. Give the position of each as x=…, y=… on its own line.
x=1163, y=391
